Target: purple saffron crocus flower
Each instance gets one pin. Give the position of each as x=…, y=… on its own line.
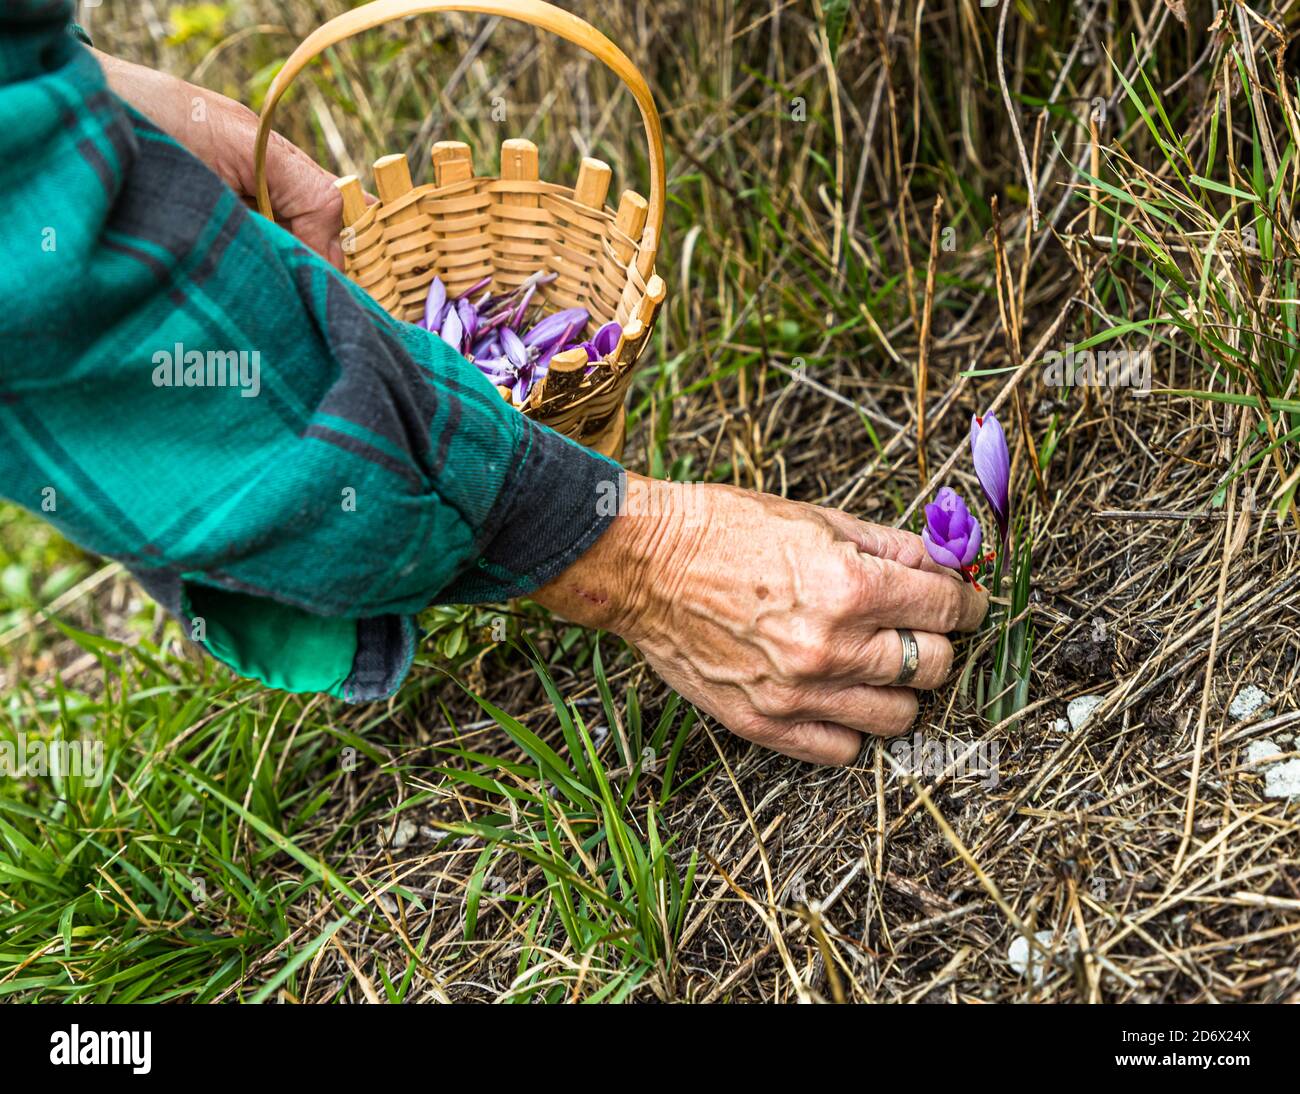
x=603, y=342
x=488, y=345
x=555, y=333
x=435, y=305
x=516, y=369
x=517, y=316
x=952, y=535
x=988, y=448
x=554, y=327
x=516, y=349
x=564, y=342
x=453, y=333
x=468, y=315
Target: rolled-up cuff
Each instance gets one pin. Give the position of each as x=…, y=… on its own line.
x=550, y=511
x=385, y=650
x=284, y=647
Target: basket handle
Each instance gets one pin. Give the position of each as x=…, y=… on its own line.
x=536, y=12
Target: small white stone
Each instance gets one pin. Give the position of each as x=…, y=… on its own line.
x=1061, y=726
x=1248, y=700
x=1281, y=780
x=1080, y=709
x=1018, y=954
x=406, y=831
x=1261, y=749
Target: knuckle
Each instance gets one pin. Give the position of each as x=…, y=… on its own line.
x=752, y=727
x=902, y=712
x=809, y=662
x=776, y=700
x=950, y=606
x=808, y=741
x=884, y=656
x=865, y=581
x=943, y=659
x=870, y=540
x=912, y=547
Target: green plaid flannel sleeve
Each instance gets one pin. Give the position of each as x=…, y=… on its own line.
x=186, y=388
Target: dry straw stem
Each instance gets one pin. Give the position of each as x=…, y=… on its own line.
x=1011, y=309
x=927, y=315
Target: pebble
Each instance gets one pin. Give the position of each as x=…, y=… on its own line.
x=1281, y=780
x=1080, y=709
x=1247, y=701
x=1018, y=954
x=406, y=831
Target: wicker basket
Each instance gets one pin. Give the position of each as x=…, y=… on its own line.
x=465, y=227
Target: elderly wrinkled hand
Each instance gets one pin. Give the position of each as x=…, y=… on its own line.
x=780, y=619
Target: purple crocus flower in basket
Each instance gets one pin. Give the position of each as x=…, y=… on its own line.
x=603, y=342
x=951, y=534
x=435, y=306
x=457, y=321
x=486, y=347
x=988, y=448
x=554, y=327
x=517, y=368
x=452, y=332
x=468, y=315
x=556, y=333
x=487, y=331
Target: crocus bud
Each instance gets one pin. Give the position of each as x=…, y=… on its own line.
x=468, y=315
x=487, y=346
x=988, y=448
x=605, y=340
x=515, y=349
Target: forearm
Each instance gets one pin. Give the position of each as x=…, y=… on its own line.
x=610, y=586
x=178, y=108
x=223, y=134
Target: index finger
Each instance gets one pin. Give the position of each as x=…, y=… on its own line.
x=897, y=544
x=900, y=596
